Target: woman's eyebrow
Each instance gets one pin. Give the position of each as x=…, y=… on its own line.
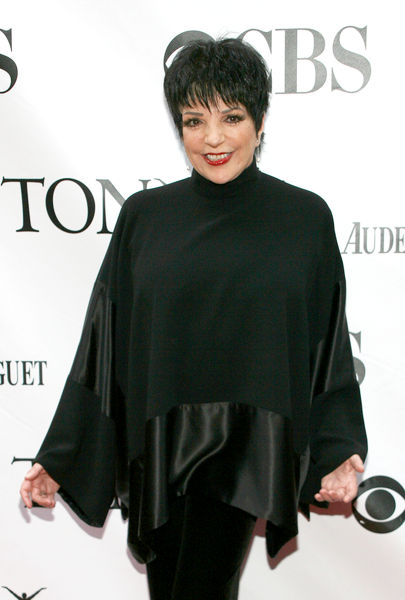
x=199, y=114
x=227, y=110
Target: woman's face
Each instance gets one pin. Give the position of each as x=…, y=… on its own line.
x=219, y=141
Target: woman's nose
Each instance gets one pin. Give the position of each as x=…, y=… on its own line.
x=214, y=135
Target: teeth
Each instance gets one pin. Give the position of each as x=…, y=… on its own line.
x=217, y=156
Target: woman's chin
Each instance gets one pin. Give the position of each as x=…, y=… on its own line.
x=219, y=174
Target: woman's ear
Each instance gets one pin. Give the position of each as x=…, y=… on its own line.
x=261, y=129
x=260, y=132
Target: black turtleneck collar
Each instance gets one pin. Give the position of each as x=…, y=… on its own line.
x=222, y=191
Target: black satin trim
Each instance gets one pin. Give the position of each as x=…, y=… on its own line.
x=331, y=363
x=94, y=360
x=238, y=454
x=336, y=420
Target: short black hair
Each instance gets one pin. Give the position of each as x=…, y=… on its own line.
x=227, y=68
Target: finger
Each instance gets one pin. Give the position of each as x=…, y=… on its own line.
x=357, y=463
x=332, y=492
x=43, y=498
x=34, y=471
x=323, y=496
x=348, y=498
x=351, y=491
x=25, y=494
x=330, y=495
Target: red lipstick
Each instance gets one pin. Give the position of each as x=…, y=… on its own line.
x=223, y=158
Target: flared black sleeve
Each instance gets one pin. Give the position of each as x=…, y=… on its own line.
x=79, y=450
x=336, y=419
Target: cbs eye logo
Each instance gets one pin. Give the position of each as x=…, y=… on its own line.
x=380, y=504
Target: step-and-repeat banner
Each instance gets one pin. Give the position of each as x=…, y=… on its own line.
x=82, y=126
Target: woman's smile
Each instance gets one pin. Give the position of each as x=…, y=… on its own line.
x=218, y=159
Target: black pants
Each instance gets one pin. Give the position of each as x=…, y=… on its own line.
x=200, y=551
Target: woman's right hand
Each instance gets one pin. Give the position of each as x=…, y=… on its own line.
x=38, y=487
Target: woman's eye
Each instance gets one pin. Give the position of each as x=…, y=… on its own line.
x=234, y=118
x=191, y=123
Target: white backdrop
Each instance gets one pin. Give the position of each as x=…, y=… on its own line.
x=86, y=104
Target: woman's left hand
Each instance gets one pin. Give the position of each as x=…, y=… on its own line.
x=341, y=484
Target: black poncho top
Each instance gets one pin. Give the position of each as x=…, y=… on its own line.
x=215, y=359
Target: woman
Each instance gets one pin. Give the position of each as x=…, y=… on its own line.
x=214, y=381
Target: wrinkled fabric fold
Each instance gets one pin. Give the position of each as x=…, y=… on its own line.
x=238, y=454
